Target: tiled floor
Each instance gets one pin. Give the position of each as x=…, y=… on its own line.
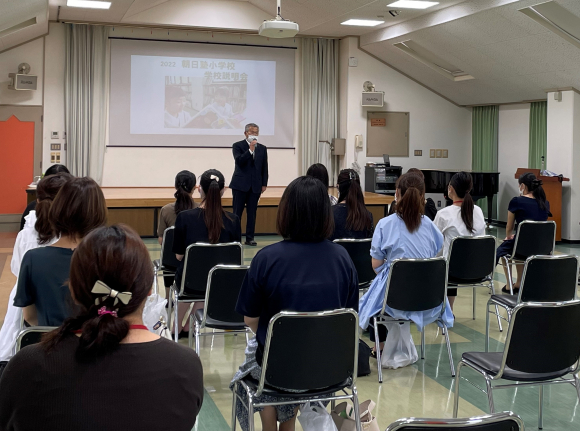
x=424, y=389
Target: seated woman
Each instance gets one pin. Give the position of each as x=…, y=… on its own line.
x=37, y=232
x=102, y=369
x=462, y=218
x=405, y=234
x=318, y=171
x=208, y=223
x=305, y=272
x=430, y=208
x=351, y=217
x=78, y=208
x=530, y=205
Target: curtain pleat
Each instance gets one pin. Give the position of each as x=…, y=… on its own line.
x=484, y=137
x=319, y=98
x=86, y=98
x=538, y=135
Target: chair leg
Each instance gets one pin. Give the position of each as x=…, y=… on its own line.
x=423, y=343
x=250, y=413
x=234, y=402
x=489, y=395
x=487, y=327
x=175, y=317
x=197, y=336
x=474, y=301
x=190, y=333
x=541, y=409
x=492, y=287
x=378, y=350
x=449, y=350
x=510, y=280
x=356, y=409
x=169, y=308
x=577, y=385
x=457, y=380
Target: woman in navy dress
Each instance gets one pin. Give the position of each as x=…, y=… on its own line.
x=530, y=205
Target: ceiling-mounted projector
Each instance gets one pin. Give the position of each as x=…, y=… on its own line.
x=278, y=27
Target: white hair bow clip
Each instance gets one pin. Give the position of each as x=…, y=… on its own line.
x=101, y=288
x=214, y=178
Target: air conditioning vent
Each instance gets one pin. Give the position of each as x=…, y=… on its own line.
x=17, y=27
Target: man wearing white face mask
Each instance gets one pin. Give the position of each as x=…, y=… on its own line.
x=250, y=177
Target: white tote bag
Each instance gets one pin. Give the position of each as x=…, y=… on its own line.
x=155, y=316
x=399, y=350
x=314, y=417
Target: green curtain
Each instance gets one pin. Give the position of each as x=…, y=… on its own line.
x=484, y=130
x=538, y=135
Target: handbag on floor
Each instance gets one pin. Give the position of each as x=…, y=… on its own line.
x=314, y=417
x=399, y=350
x=343, y=417
x=364, y=354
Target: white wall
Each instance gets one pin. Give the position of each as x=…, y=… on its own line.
x=31, y=53
x=434, y=122
x=513, y=147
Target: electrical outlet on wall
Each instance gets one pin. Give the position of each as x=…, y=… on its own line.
x=432, y=154
x=57, y=157
x=444, y=153
x=52, y=157
x=438, y=154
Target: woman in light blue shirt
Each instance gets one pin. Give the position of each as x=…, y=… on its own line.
x=405, y=234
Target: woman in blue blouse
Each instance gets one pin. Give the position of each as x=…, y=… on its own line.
x=406, y=234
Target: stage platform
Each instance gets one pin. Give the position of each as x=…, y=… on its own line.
x=139, y=206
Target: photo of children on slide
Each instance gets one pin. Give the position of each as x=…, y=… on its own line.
x=205, y=102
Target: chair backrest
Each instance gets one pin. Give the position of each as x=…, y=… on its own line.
x=534, y=238
x=31, y=335
x=200, y=258
x=543, y=337
x=223, y=288
x=359, y=251
x=471, y=258
x=168, y=258
x=416, y=284
x=549, y=279
x=306, y=351
x=503, y=421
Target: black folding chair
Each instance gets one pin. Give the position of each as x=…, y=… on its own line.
x=414, y=285
x=199, y=259
x=545, y=279
x=296, y=357
x=168, y=263
x=534, y=238
x=472, y=264
x=223, y=288
x=359, y=251
x=541, y=348
x=31, y=335
x=504, y=421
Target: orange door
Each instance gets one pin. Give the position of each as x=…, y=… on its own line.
x=17, y=154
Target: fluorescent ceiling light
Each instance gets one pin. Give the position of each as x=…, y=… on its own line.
x=362, y=22
x=89, y=4
x=557, y=19
x=413, y=4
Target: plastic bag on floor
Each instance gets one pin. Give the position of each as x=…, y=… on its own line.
x=155, y=315
x=399, y=350
x=314, y=417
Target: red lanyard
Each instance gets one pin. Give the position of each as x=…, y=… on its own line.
x=130, y=327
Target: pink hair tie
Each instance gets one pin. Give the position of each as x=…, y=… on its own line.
x=102, y=311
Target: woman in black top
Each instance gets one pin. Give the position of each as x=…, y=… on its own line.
x=430, y=208
x=78, y=208
x=530, y=205
x=305, y=272
x=102, y=369
x=208, y=223
x=351, y=217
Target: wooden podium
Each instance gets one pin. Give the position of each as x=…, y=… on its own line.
x=553, y=188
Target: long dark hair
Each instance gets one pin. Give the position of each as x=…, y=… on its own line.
x=462, y=183
x=319, y=171
x=184, y=183
x=117, y=257
x=411, y=204
x=46, y=191
x=349, y=191
x=212, y=183
x=534, y=185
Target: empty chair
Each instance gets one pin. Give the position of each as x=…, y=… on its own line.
x=31, y=335
x=541, y=348
x=168, y=263
x=223, y=287
x=545, y=279
x=415, y=285
x=199, y=259
x=359, y=252
x=504, y=421
x=313, y=353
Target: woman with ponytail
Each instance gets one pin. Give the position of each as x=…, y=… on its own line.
x=406, y=234
x=209, y=222
x=184, y=187
x=530, y=205
x=102, y=369
x=37, y=232
x=462, y=218
x=351, y=217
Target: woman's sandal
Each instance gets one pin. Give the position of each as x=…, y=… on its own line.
x=373, y=353
x=506, y=290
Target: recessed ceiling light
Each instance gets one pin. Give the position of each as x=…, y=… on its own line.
x=362, y=22
x=89, y=4
x=413, y=4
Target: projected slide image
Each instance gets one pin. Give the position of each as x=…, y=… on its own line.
x=176, y=95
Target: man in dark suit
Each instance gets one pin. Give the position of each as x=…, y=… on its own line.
x=250, y=177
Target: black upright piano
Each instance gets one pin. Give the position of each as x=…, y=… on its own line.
x=485, y=184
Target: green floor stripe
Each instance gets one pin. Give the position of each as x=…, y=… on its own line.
x=210, y=418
